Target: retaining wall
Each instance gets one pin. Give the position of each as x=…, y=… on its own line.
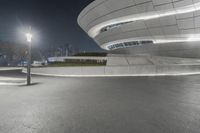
x=137, y=70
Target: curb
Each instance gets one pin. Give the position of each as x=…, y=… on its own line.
x=123, y=75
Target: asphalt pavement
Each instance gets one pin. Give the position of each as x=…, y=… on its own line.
x=101, y=105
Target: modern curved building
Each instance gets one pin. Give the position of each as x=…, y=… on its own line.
x=144, y=27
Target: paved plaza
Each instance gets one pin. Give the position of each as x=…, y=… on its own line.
x=101, y=105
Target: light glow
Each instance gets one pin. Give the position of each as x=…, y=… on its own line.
x=157, y=39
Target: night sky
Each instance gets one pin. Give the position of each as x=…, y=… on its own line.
x=54, y=22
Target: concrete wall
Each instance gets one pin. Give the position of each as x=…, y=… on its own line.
x=138, y=70
x=124, y=65
x=128, y=60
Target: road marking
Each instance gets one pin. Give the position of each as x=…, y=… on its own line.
x=11, y=84
x=9, y=68
x=12, y=81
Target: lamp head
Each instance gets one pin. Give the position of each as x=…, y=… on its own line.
x=29, y=37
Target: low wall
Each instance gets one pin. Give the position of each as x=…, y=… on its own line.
x=137, y=70
x=127, y=60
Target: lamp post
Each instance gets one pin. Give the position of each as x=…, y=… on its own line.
x=28, y=39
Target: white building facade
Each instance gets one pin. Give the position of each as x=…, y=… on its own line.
x=144, y=27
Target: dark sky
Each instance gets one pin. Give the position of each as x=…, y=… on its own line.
x=53, y=21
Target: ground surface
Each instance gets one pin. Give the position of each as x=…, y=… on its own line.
x=101, y=105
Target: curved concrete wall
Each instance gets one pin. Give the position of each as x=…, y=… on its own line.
x=165, y=24
x=137, y=70
x=126, y=65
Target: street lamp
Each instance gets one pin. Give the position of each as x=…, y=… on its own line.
x=29, y=39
